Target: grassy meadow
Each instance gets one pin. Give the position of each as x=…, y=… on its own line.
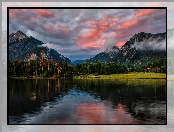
x=133, y=75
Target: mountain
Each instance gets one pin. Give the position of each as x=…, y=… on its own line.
x=16, y=37
x=22, y=47
x=141, y=49
x=112, y=50
x=57, y=56
x=78, y=62
x=105, y=56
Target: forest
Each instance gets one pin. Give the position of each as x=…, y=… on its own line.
x=52, y=68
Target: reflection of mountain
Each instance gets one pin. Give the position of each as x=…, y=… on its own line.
x=29, y=99
x=143, y=99
x=77, y=101
x=22, y=47
x=152, y=111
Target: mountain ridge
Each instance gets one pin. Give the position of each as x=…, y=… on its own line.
x=141, y=49
x=110, y=52
x=22, y=47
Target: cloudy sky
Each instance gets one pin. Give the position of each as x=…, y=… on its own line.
x=94, y=128
x=83, y=33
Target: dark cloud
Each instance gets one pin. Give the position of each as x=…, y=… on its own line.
x=82, y=33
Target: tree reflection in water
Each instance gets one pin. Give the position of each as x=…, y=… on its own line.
x=87, y=101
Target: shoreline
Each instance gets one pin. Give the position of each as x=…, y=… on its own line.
x=111, y=76
x=124, y=76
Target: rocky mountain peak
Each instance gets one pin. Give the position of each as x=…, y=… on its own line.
x=142, y=36
x=146, y=41
x=141, y=49
x=19, y=35
x=22, y=47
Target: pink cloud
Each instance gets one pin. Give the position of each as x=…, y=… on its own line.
x=90, y=32
x=144, y=12
x=42, y=13
x=15, y=13
x=92, y=38
x=128, y=24
x=45, y=13
x=120, y=44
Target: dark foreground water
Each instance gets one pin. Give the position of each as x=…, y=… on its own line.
x=87, y=101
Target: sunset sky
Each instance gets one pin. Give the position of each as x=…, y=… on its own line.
x=83, y=33
x=91, y=128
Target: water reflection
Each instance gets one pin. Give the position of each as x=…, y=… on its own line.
x=87, y=101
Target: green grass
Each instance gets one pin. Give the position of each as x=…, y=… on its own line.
x=133, y=75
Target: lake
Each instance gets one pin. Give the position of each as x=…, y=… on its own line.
x=87, y=101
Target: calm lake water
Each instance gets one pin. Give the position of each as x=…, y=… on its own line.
x=87, y=101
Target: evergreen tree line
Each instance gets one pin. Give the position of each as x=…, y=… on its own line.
x=156, y=67
x=52, y=68
x=39, y=68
